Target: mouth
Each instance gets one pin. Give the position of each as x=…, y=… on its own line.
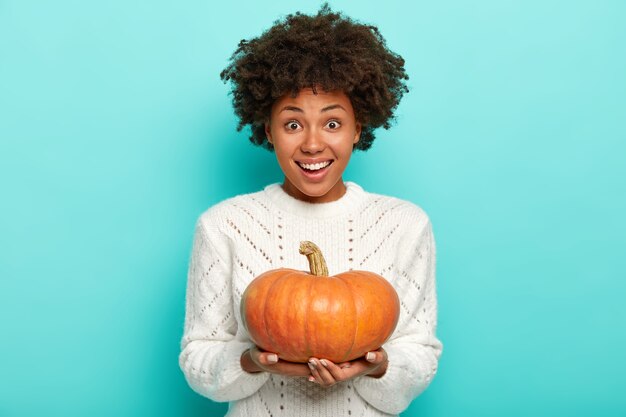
x=315, y=171
x=314, y=167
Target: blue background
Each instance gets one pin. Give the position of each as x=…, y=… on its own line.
x=116, y=133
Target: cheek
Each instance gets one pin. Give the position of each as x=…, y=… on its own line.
x=284, y=154
x=286, y=146
x=345, y=145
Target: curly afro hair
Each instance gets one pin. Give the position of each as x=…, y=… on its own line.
x=326, y=51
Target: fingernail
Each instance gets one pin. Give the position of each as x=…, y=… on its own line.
x=323, y=362
x=312, y=362
x=312, y=379
x=273, y=358
x=311, y=365
x=370, y=356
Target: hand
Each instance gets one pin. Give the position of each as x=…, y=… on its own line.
x=373, y=364
x=256, y=360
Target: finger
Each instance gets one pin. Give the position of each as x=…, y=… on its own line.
x=290, y=368
x=353, y=371
x=269, y=358
x=335, y=370
x=376, y=356
x=344, y=365
x=254, y=351
x=377, y=362
x=323, y=366
x=263, y=357
x=270, y=362
x=357, y=368
x=321, y=374
x=314, y=372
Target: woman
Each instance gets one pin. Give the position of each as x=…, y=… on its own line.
x=313, y=89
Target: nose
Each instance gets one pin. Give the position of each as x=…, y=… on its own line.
x=313, y=142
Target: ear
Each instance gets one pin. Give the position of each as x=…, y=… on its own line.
x=268, y=132
x=357, y=134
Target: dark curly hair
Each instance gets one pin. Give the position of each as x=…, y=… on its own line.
x=327, y=51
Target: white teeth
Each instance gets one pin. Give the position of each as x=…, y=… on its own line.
x=315, y=167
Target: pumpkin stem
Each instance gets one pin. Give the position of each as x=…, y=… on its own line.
x=317, y=263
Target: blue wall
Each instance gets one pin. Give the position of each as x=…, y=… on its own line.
x=116, y=133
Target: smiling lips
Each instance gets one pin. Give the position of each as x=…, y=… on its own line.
x=314, y=166
x=315, y=171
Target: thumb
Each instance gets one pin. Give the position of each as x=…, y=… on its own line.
x=374, y=357
x=269, y=358
x=262, y=357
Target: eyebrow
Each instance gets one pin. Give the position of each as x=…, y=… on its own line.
x=327, y=108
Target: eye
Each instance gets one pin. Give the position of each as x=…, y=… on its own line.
x=292, y=125
x=333, y=124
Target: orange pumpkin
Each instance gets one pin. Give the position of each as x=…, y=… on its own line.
x=298, y=314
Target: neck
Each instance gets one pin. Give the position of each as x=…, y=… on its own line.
x=335, y=193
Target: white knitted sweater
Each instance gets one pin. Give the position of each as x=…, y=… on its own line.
x=244, y=236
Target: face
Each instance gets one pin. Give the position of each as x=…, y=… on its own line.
x=313, y=137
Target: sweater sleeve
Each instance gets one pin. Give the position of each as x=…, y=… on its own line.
x=413, y=350
x=211, y=347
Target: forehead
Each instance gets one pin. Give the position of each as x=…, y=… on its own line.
x=307, y=100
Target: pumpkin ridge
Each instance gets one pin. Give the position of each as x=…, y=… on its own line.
x=350, y=291
x=294, y=350
x=244, y=307
x=307, y=340
x=267, y=330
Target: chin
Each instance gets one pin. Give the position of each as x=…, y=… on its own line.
x=317, y=192
x=312, y=190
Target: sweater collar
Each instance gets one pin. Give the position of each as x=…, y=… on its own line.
x=353, y=198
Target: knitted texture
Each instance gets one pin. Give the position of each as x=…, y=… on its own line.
x=244, y=236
